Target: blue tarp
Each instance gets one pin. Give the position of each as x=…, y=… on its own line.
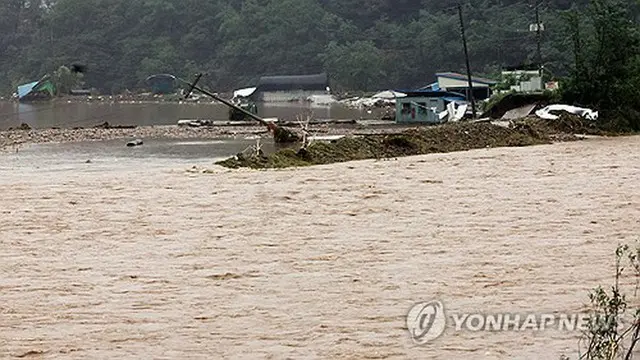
x=24, y=90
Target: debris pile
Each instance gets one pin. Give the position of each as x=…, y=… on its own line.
x=24, y=127
x=134, y=142
x=380, y=100
x=106, y=125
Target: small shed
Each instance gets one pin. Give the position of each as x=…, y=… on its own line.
x=162, y=83
x=424, y=106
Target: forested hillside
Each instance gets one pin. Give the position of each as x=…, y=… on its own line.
x=362, y=44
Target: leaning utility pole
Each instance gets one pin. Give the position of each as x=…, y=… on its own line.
x=466, y=56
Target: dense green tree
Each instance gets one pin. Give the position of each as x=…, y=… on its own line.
x=606, y=49
x=357, y=65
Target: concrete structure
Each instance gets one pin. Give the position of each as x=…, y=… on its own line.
x=525, y=80
x=454, y=82
x=424, y=106
x=291, y=88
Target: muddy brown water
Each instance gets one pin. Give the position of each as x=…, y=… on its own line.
x=69, y=115
x=153, y=259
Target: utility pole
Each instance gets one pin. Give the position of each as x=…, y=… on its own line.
x=466, y=56
x=539, y=37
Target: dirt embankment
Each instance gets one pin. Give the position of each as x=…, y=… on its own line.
x=426, y=140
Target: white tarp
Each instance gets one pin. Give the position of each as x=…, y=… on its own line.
x=389, y=94
x=384, y=98
x=322, y=99
x=461, y=111
x=456, y=111
x=244, y=92
x=547, y=112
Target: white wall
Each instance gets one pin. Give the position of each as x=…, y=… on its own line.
x=445, y=83
x=534, y=82
x=286, y=96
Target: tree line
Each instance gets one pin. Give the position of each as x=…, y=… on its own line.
x=363, y=44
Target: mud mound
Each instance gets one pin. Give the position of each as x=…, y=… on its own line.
x=437, y=139
x=567, y=125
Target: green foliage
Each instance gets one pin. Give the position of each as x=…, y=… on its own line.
x=363, y=44
x=606, y=72
x=357, y=65
x=65, y=80
x=607, y=336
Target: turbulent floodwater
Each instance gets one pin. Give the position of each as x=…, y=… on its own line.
x=68, y=115
x=153, y=259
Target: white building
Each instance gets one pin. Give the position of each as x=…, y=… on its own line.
x=291, y=88
x=525, y=80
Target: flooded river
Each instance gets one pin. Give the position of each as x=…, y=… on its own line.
x=67, y=115
x=153, y=259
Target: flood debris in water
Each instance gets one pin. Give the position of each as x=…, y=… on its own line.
x=135, y=142
x=22, y=127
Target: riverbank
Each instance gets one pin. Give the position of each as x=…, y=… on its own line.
x=450, y=137
x=10, y=139
x=315, y=262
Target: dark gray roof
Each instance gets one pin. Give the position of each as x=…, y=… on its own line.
x=293, y=82
x=456, y=76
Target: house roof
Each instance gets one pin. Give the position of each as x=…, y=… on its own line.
x=293, y=82
x=456, y=76
x=161, y=77
x=447, y=95
x=24, y=90
x=433, y=86
x=245, y=92
x=43, y=84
